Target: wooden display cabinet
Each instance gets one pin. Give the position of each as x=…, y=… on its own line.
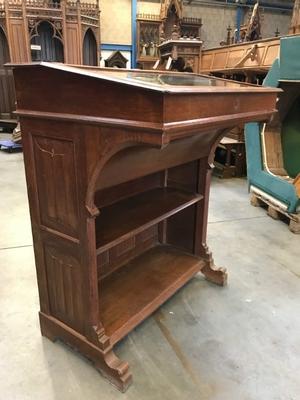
x=118, y=167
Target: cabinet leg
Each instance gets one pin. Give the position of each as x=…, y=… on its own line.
x=211, y=273
x=115, y=370
x=110, y=366
x=214, y=274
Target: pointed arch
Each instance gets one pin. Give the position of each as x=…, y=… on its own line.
x=48, y=46
x=4, y=49
x=7, y=92
x=89, y=48
x=167, y=6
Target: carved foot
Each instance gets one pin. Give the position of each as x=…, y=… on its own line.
x=115, y=370
x=213, y=274
x=110, y=366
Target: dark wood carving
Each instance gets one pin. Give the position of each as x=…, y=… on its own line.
x=116, y=60
x=153, y=29
x=119, y=194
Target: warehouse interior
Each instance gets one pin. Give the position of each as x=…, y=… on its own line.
x=83, y=148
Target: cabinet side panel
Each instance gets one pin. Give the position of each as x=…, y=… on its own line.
x=56, y=184
x=64, y=286
x=73, y=42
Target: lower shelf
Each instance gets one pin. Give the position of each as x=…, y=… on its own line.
x=132, y=293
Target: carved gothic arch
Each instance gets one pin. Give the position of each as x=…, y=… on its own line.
x=3, y=28
x=56, y=27
x=90, y=47
x=48, y=36
x=91, y=28
x=4, y=48
x=167, y=6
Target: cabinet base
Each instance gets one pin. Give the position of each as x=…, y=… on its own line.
x=109, y=365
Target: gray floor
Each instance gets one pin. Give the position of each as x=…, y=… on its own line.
x=241, y=342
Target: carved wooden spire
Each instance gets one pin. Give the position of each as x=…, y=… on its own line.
x=295, y=23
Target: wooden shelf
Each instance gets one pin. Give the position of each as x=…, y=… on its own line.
x=132, y=293
x=128, y=217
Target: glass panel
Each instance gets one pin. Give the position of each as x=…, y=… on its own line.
x=172, y=80
x=167, y=80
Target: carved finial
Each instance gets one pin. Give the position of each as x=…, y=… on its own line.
x=175, y=33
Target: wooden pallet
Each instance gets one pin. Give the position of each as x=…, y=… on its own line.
x=276, y=212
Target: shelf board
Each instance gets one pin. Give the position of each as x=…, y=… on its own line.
x=135, y=291
x=131, y=216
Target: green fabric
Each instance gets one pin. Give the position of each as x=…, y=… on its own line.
x=290, y=58
x=290, y=136
x=273, y=75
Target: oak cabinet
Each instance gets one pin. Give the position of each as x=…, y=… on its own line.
x=118, y=167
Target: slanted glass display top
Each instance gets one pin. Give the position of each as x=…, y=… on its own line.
x=175, y=82
x=170, y=79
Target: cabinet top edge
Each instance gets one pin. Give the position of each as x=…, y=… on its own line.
x=160, y=81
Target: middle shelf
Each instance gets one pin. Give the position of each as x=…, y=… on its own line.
x=128, y=217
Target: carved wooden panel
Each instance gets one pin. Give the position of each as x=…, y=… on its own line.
x=125, y=251
x=272, y=52
x=257, y=56
x=18, y=45
x=64, y=286
x=73, y=44
x=56, y=183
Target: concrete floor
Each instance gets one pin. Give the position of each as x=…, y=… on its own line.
x=241, y=342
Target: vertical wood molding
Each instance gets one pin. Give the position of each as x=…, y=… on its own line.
x=65, y=36
x=26, y=35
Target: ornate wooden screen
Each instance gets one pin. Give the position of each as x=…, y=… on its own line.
x=153, y=29
x=46, y=30
x=46, y=42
